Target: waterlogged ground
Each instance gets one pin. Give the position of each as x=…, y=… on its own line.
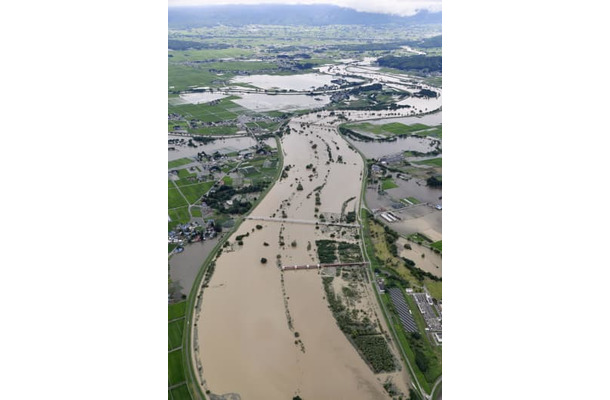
x=401, y=144
x=223, y=146
x=246, y=330
x=288, y=82
x=196, y=98
x=282, y=102
x=184, y=266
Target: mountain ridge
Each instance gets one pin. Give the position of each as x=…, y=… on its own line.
x=180, y=17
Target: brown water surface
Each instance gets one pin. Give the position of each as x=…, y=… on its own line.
x=245, y=336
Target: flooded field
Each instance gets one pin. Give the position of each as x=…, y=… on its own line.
x=196, y=98
x=223, y=146
x=184, y=266
x=420, y=218
x=297, y=82
x=271, y=143
x=281, y=102
x=401, y=144
x=420, y=104
x=407, y=188
x=254, y=312
x=431, y=262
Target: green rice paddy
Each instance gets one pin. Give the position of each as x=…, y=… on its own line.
x=178, y=163
x=388, y=183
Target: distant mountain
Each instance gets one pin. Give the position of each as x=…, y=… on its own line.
x=276, y=14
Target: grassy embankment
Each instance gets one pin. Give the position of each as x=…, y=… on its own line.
x=391, y=129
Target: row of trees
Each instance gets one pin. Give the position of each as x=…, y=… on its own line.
x=189, y=44
x=419, y=63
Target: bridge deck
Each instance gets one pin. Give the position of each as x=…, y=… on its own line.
x=320, y=266
x=302, y=221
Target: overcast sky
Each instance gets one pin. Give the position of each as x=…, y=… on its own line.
x=400, y=7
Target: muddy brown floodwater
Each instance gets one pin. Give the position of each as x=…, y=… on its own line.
x=245, y=333
x=184, y=266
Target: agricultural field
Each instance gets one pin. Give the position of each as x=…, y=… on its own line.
x=194, y=192
x=177, y=388
x=175, y=330
x=176, y=310
x=178, y=163
x=388, y=183
x=178, y=216
x=435, y=162
x=215, y=130
x=179, y=393
x=184, y=174
x=182, y=77
x=175, y=367
x=224, y=110
x=175, y=199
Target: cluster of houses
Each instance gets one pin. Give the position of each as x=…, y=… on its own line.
x=339, y=96
x=241, y=122
x=174, y=117
x=191, y=232
x=392, y=159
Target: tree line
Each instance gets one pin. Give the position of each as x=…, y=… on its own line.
x=419, y=63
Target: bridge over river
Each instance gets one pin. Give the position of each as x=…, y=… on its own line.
x=303, y=221
x=320, y=266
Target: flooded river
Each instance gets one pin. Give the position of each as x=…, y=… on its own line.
x=252, y=311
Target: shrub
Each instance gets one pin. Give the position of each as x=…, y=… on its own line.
x=421, y=360
x=264, y=260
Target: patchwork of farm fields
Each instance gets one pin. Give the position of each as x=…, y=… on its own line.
x=177, y=389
